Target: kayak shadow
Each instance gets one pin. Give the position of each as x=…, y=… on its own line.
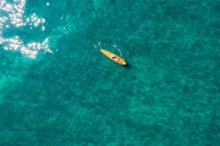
x=128, y=66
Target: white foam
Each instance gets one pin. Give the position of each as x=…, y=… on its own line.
x=13, y=15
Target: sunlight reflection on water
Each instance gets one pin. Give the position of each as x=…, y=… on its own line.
x=12, y=15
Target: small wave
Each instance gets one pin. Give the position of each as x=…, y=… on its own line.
x=12, y=14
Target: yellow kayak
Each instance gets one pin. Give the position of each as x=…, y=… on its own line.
x=113, y=57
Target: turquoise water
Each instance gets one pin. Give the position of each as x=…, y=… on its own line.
x=68, y=93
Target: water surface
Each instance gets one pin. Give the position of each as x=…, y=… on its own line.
x=57, y=89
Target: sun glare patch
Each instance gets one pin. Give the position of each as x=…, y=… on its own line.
x=12, y=14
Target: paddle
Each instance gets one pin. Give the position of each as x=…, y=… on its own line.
x=119, y=50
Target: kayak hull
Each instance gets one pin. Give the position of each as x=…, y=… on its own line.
x=113, y=57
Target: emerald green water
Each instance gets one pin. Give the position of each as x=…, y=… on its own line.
x=169, y=95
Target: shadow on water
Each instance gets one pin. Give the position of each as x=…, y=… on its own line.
x=128, y=66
